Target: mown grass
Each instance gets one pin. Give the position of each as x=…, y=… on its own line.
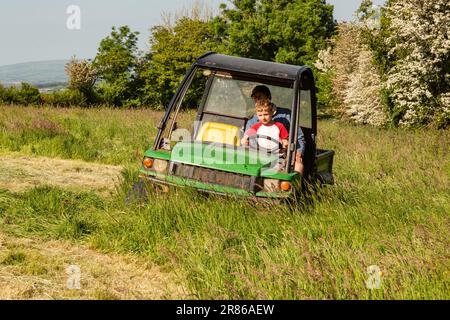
x=389, y=207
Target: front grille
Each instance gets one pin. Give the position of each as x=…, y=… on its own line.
x=227, y=179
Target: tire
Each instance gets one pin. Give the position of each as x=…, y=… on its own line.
x=138, y=193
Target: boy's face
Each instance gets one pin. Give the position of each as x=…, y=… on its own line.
x=265, y=116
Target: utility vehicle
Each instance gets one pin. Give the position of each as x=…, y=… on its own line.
x=203, y=149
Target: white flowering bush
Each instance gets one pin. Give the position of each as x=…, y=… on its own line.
x=82, y=75
x=362, y=96
x=419, y=81
x=356, y=82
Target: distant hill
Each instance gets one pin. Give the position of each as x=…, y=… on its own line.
x=42, y=74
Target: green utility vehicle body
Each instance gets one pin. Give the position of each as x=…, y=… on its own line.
x=208, y=155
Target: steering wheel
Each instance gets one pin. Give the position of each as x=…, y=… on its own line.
x=253, y=143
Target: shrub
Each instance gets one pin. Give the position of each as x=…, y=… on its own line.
x=2, y=93
x=26, y=94
x=64, y=98
x=112, y=94
x=356, y=84
x=82, y=77
x=419, y=82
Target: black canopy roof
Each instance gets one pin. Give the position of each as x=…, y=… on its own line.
x=257, y=67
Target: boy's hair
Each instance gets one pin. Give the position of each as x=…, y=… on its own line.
x=264, y=105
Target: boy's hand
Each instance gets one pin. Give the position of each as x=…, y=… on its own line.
x=244, y=141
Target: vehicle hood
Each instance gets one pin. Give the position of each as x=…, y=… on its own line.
x=223, y=157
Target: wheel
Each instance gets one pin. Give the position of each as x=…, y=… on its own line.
x=138, y=193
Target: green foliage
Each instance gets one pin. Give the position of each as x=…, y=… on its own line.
x=2, y=94
x=326, y=99
x=173, y=50
x=115, y=93
x=374, y=38
x=412, y=61
x=115, y=64
x=283, y=31
x=28, y=94
x=116, y=55
x=365, y=10
x=25, y=95
x=65, y=98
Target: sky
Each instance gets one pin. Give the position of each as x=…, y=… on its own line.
x=37, y=30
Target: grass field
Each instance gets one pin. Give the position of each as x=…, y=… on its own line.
x=389, y=207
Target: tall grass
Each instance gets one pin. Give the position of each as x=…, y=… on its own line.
x=389, y=207
x=104, y=135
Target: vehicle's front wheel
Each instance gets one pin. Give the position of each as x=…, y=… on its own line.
x=138, y=193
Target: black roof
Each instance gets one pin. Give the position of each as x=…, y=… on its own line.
x=245, y=65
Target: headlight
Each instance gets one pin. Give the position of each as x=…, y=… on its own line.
x=157, y=165
x=160, y=165
x=271, y=185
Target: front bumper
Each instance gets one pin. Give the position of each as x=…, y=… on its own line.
x=209, y=187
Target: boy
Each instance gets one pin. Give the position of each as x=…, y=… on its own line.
x=262, y=92
x=267, y=127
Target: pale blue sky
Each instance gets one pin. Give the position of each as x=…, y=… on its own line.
x=36, y=30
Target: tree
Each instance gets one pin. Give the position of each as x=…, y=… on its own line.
x=286, y=31
x=117, y=54
x=418, y=82
x=363, y=93
x=277, y=30
x=173, y=50
x=115, y=64
x=340, y=58
x=356, y=82
x=82, y=77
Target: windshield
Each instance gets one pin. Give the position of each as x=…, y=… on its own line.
x=216, y=108
x=232, y=97
x=214, y=111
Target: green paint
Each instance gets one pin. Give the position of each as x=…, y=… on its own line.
x=213, y=156
x=158, y=154
x=270, y=174
x=209, y=186
x=273, y=194
x=223, y=158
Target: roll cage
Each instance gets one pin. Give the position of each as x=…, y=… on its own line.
x=300, y=77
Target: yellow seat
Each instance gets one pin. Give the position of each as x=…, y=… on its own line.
x=219, y=132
